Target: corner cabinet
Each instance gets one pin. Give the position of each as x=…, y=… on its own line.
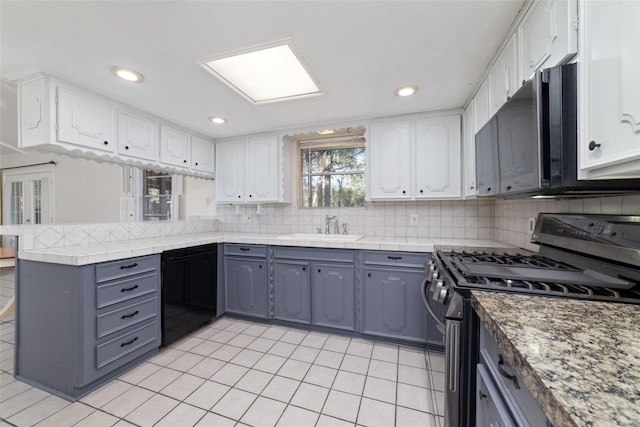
x=57, y=116
x=78, y=327
x=245, y=279
x=609, y=142
x=418, y=158
x=251, y=171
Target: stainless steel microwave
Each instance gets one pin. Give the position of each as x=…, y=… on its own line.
x=529, y=147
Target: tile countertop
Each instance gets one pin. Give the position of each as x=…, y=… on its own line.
x=101, y=252
x=579, y=359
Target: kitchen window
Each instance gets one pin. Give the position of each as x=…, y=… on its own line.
x=157, y=197
x=332, y=173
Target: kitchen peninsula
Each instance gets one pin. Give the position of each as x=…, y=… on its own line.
x=579, y=359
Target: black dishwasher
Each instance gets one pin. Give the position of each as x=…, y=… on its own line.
x=189, y=290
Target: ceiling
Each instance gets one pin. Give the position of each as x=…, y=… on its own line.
x=359, y=51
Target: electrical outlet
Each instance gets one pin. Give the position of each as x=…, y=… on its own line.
x=413, y=219
x=247, y=219
x=532, y=223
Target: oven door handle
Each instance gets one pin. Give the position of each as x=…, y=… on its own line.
x=439, y=323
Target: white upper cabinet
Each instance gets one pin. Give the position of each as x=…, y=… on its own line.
x=481, y=106
x=174, y=146
x=437, y=158
x=503, y=78
x=137, y=136
x=253, y=170
x=417, y=158
x=263, y=170
x=202, y=155
x=55, y=115
x=548, y=35
x=389, y=155
x=469, y=151
x=609, y=141
x=84, y=121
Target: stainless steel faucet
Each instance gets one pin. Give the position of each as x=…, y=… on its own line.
x=328, y=219
x=344, y=228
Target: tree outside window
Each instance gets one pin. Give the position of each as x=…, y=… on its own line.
x=333, y=176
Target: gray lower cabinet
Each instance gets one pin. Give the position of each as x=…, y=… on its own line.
x=292, y=286
x=78, y=327
x=393, y=304
x=245, y=279
x=333, y=295
x=315, y=286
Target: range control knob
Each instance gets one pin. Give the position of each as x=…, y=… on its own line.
x=440, y=292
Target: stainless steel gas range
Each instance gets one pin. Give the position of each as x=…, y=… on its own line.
x=590, y=257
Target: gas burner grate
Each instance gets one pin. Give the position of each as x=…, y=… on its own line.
x=509, y=259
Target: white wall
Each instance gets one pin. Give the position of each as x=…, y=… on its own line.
x=198, y=198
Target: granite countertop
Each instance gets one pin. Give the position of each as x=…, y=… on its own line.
x=108, y=251
x=579, y=359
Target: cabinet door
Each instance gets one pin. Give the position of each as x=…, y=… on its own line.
x=85, y=121
x=292, y=291
x=610, y=90
x=481, y=106
x=503, y=77
x=547, y=35
x=230, y=171
x=393, y=304
x=486, y=160
x=389, y=165
x=202, y=155
x=469, y=152
x=333, y=295
x=437, y=157
x=517, y=154
x=246, y=286
x=137, y=137
x=174, y=147
x=262, y=170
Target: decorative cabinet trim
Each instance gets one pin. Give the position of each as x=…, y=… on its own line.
x=58, y=116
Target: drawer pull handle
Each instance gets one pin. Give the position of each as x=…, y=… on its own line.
x=129, y=342
x=394, y=257
x=129, y=289
x=505, y=374
x=125, y=316
x=125, y=267
x=245, y=249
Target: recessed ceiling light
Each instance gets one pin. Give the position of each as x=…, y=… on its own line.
x=217, y=120
x=406, y=90
x=267, y=73
x=128, y=74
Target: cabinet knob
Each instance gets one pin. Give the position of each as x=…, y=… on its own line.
x=404, y=192
x=238, y=196
x=471, y=187
x=126, y=147
x=260, y=266
x=106, y=143
x=184, y=161
x=508, y=187
x=421, y=191
x=250, y=195
x=488, y=189
x=368, y=274
x=318, y=270
x=593, y=145
x=304, y=268
x=196, y=163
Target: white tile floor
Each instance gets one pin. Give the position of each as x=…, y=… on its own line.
x=237, y=373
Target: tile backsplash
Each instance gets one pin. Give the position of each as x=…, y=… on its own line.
x=470, y=219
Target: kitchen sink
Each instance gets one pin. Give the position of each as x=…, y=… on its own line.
x=322, y=237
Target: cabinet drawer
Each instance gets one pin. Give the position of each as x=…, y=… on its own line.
x=245, y=250
x=125, y=267
x=398, y=259
x=124, y=344
x=119, y=319
x=318, y=255
x=123, y=290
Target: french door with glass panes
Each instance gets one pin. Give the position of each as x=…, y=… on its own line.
x=26, y=198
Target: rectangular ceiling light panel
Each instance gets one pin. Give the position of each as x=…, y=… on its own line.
x=274, y=73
